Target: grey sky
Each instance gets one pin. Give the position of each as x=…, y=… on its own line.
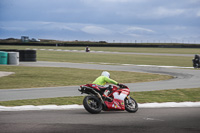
x=119, y=20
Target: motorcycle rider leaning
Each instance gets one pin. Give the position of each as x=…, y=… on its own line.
x=196, y=61
x=103, y=79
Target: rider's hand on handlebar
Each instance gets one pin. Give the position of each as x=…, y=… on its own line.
x=120, y=85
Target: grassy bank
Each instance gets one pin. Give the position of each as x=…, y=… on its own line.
x=114, y=49
x=114, y=58
x=30, y=77
x=178, y=95
x=58, y=56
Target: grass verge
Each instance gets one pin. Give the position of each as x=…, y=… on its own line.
x=33, y=77
x=58, y=56
x=114, y=49
x=178, y=95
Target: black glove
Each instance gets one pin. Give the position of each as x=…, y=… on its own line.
x=120, y=85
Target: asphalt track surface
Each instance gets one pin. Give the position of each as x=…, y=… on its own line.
x=165, y=120
x=183, y=78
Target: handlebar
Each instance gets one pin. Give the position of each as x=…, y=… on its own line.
x=122, y=85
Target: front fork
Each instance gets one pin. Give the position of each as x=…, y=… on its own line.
x=129, y=99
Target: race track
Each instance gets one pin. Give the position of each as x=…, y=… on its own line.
x=183, y=78
x=165, y=120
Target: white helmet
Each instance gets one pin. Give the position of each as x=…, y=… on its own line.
x=105, y=73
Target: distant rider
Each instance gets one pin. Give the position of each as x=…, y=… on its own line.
x=196, y=61
x=87, y=49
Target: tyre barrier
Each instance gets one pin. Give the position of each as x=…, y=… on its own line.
x=13, y=58
x=3, y=58
x=24, y=55
x=27, y=55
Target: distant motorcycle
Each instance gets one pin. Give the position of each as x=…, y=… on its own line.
x=196, y=61
x=119, y=99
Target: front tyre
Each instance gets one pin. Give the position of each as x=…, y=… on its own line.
x=92, y=104
x=131, y=105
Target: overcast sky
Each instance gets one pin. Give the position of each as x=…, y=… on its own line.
x=109, y=20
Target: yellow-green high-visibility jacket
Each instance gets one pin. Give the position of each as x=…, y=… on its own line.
x=102, y=80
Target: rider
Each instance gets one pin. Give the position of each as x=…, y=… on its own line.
x=103, y=79
x=196, y=57
x=196, y=60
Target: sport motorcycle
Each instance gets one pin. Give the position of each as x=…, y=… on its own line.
x=118, y=99
x=196, y=63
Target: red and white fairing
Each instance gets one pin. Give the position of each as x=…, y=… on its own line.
x=118, y=99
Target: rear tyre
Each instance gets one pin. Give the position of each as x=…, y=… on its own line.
x=92, y=104
x=131, y=105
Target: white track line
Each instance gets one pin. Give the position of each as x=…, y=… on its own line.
x=75, y=106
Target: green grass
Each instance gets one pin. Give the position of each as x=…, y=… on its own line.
x=114, y=58
x=30, y=77
x=178, y=95
x=58, y=56
x=45, y=101
x=115, y=49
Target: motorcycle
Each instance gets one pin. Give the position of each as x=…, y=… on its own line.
x=196, y=61
x=118, y=99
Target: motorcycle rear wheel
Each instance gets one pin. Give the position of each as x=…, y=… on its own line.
x=131, y=105
x=92, y=104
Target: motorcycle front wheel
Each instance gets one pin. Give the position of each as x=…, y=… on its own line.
x=92, y=104
x=131, y=105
